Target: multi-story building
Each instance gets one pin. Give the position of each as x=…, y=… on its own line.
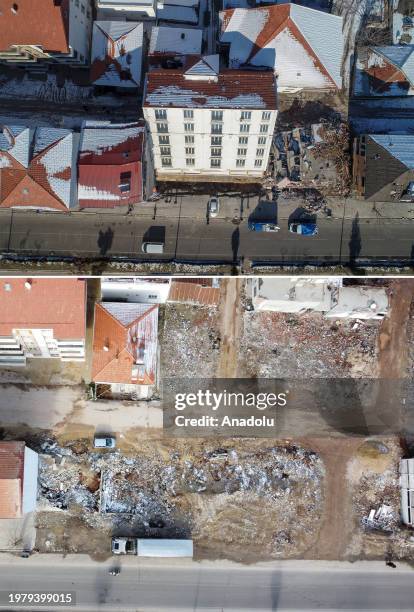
x=208, y=123
x=44, y=317
x=19, y=466
x=46, y=31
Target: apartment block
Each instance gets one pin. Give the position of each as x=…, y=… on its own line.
x=42, y=318
x=208, y=123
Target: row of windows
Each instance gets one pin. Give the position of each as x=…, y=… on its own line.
x=216, y=128
x=215, y=162
x=216, y=141
x=216, y=115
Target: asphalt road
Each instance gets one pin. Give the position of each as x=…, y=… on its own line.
x=173, y=585
x=87, y=235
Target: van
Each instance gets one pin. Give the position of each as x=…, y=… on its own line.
x=153, y=247
x=104, y=442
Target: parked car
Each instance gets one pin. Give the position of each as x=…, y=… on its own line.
x=104, y=442
x=261, y=226
x=213, y=206
x=304, y=228
x=153, y=247
x=124, y=546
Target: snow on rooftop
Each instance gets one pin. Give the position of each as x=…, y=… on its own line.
x=165, y=39
x=116, y=57
x=57, y=164
x=399, y=146
x=176, y=96
x=99, y=138
x=177, y=14
x=15, y=140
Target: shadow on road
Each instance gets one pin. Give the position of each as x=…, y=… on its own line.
x=235, y=243
x=105, y=240
x=355, y=243
x=301, y=215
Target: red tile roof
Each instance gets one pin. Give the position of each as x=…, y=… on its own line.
x=125, y=334
x=51, y=303
x=11, y=479
x=35, y=22
x=233, y=89
x=194, y=292
x=105, y=154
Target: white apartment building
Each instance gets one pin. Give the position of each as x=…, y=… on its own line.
x=128, y=10
x=42, y=318
x=25, y=39
x=209, y=124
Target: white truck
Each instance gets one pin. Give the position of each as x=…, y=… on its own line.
x=152, y=547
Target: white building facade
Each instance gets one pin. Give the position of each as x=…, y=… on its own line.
x=128, y=10
x=207, y=123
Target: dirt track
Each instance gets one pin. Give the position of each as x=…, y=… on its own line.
x=230, y=327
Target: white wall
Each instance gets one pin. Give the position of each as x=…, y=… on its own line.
x=127, y=10
x=30, y=475
x=202, y=141
x=80, y=28
x=135, y=290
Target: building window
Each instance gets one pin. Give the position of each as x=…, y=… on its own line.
x=245, y=127
x=125, y=182
x=190, y=161
x=243, y=140
x=216, y=141
x=242, y=152
x=245, y=116
x=189, y=140
x=264, y=128
x=215, y=162
x=189, y=127
x=188, y=114
x=162, y=127
x=166, y=151
x=166, y=161
x=216, y=115
x=240, y=163
x=164, y=140
x=215, y=152
x=258, y=163
x=216, y=128
x=259, y=152
x=266, y=116
x=261, y=140
x=160, y=113
x=189, y=151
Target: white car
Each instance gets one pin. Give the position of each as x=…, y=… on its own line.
x=104, y=442
x=213, y=206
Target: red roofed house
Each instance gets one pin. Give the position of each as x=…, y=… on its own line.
x=45, y=30
x=36, y=168
x=207, y=122
x=110, y=165
x=42, y=317
x=303, y=46
x=18, y=480
x=125, y=347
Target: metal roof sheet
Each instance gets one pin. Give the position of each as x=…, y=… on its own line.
x=401, y=56
x=165, y=39
x=399, y=146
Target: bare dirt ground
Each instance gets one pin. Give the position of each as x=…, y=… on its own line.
x=230, y=313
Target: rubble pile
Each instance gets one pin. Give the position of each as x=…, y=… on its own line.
x=287, y=346
x=192, y=341
x=190, y=488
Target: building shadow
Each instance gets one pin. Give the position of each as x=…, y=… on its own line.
x=105, y=240
x=355, y=243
